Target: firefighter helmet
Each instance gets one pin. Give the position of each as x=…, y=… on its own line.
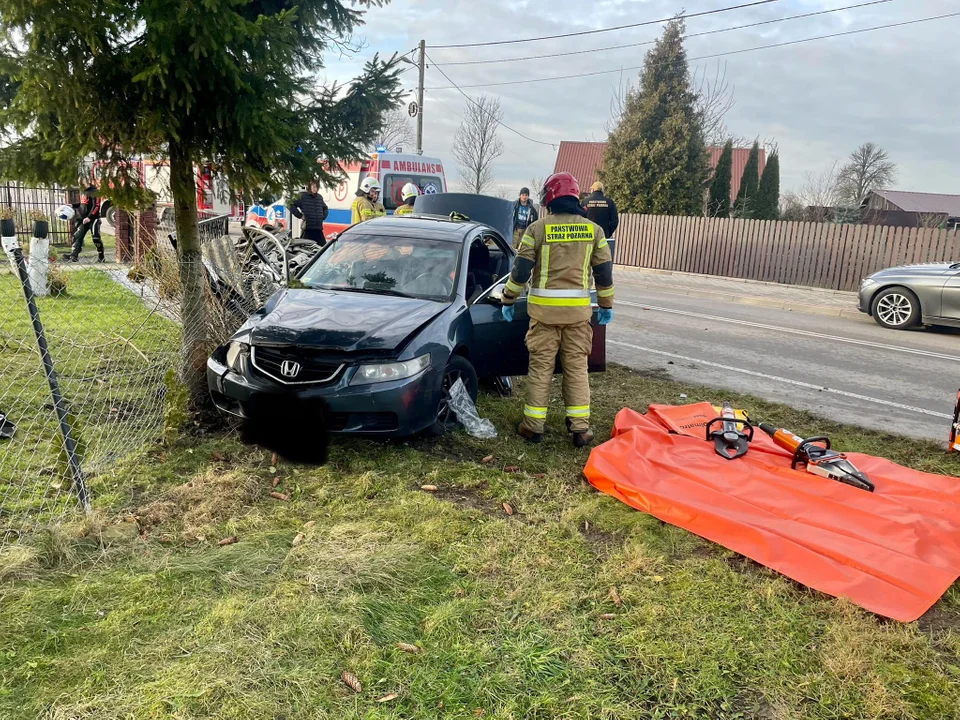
x=369, y=184
x=559, y=185
x=409, y=190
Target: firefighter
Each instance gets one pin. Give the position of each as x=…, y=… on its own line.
x=409, y=195
x=556, y=255
x=602, y=210
x=367, y=206
x=88, y=212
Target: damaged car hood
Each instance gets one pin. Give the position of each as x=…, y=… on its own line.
x=341, y=320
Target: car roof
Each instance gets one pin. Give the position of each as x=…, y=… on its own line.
x=430, y=227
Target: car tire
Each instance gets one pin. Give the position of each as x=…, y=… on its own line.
x=460, y=368
x=896, y=308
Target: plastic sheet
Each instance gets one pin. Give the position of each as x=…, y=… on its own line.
x=893, y=552
x=467, y=415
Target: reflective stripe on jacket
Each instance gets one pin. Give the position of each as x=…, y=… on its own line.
x=557, y=256
x=404, y=210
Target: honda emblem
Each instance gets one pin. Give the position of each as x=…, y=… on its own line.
x=289, y=368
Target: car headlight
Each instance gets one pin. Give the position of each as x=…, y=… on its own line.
x=237, y=351
x=382, y=372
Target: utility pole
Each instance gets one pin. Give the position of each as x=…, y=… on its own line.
x=422, y=65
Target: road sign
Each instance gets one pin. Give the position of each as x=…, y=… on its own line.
x=413, y=109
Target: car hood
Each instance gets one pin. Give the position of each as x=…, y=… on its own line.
x=924, y=270
x=343, y=321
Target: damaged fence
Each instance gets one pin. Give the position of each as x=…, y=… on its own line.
x=87, y=352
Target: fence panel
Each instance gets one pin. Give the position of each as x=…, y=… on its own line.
x=798, y=253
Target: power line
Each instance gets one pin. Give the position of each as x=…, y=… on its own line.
x=609, y=29
x=704, y=57
x=440, y=100
x=476, y=104
x=651, y=42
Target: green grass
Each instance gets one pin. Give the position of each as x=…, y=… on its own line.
x=110, y=354
x=147, y=617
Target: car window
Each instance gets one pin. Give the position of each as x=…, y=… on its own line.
x=393, y=186
x=405, y=266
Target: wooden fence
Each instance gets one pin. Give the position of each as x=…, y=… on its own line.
x=797, y=253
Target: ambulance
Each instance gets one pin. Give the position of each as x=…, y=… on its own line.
x=393, y=171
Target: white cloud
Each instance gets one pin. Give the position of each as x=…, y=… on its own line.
x=819, y=100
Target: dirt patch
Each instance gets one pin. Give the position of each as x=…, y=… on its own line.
x=602, y=543
x=468, y=499
x=938, y=619
x=201, y=503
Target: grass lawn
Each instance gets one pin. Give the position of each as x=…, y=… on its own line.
x=513, y=615
x=110, y=355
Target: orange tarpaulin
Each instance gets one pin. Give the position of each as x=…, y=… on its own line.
x=893, y=552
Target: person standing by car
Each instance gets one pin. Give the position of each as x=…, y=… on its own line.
x=602, y=210
x=311, y=208
x=524, y=214
x=88, y=212
x=367, y=206
x=409, y=195
x=554, y=255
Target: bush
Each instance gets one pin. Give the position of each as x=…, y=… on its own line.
x=57, y=281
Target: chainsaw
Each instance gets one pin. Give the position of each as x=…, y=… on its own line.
x=732, y=439
x=818, y=458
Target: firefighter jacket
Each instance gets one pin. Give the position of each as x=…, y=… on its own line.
x=364, y=209
x=556, y=256
x=603, y=211
x=404, y=210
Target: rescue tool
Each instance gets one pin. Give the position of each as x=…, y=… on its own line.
x=732, y=439
x=818, y=458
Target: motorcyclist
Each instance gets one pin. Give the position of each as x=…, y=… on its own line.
x=367, y=205
x=409, y=195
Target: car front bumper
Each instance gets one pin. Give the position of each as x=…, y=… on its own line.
x=398, y=408
x=868, y=288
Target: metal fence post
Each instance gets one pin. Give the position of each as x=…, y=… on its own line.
x=12, y=246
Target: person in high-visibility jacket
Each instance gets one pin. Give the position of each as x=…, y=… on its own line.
x=557, y=254
x=367, y=205
x=409, y=195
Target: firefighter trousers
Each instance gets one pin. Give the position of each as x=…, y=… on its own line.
x=573, y=343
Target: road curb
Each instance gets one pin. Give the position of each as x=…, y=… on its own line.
x=806, y=308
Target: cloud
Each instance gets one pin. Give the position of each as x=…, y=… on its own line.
x=819, y=100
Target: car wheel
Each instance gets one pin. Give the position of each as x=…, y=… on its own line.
x=458, y=368
x=896, y=308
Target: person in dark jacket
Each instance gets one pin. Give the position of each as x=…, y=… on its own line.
x=524, y=214
x=602, y=210
x=88, y=213
x=311, y=208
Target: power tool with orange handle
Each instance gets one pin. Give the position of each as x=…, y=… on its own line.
x=818, y=458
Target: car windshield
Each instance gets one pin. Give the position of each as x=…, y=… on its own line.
x=405, y=267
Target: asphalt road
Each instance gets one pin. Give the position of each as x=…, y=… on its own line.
x=848, y=369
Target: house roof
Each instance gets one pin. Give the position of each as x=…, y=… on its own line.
x=922, y=202
x=584, y=160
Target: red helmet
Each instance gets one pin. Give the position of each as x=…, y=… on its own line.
x=559, y=185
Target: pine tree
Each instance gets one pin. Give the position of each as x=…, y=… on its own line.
x=719, y=202
x=767, y=203
x=744, y=207
x=232, y=84
x=656, y=159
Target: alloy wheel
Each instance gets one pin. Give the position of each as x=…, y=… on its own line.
x=445, y=413
x=894, y=309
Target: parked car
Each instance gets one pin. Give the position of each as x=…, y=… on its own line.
x=910, y=295
x=384, y=320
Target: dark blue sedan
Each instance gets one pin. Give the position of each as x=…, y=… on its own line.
x=384, y=321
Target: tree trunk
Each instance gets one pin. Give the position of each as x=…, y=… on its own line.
x=193, y=309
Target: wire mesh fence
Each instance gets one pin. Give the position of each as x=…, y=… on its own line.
x=88, y=350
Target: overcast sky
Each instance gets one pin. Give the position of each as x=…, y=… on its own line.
x=896, y=87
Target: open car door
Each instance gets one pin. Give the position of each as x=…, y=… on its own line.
x=500, y=348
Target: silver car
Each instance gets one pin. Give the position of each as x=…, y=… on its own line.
x=910, y=295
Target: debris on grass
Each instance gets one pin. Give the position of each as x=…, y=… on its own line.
x=429, y=488
x=279, y=496
x=511, y=469
x=388, y=698
x=276, y=481
x=487, y=460
x=608, y=616
x=310, y=524
x=298, y=539
x=227, y=541
x=407, y=647
x=508, y=508
x=351, y=681
x=615, y=596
